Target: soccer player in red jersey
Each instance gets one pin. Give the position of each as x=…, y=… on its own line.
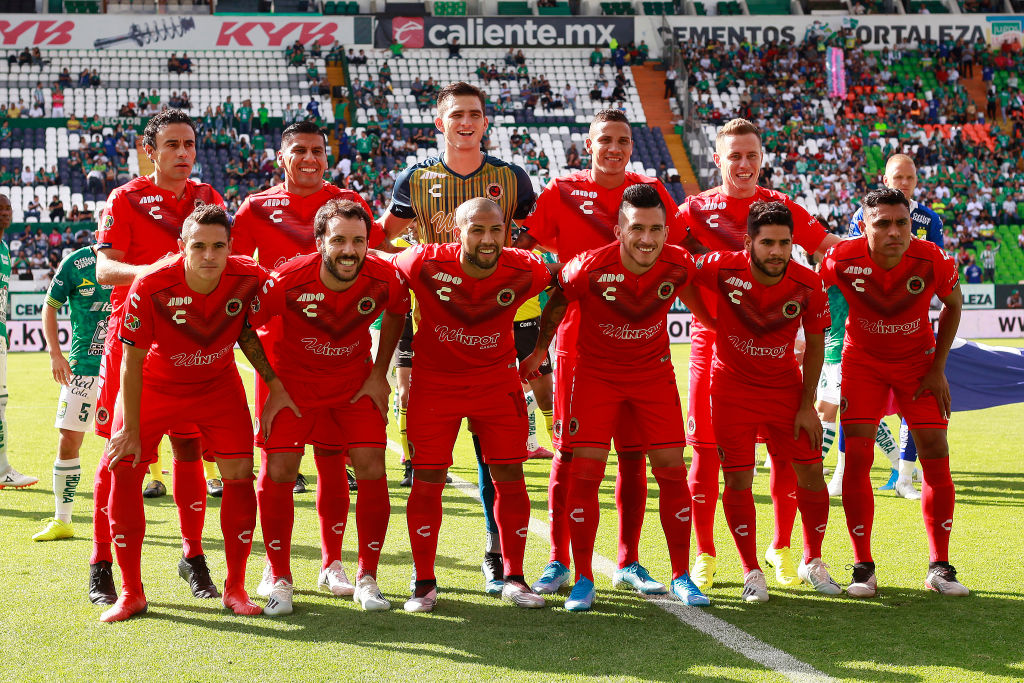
x=141, y=224
x=623, y=291
x=179, y=328
x=716, y=220
x=468, y=294
x=327, y=301
x=575, y=213
x=888, y=278
x=757, y=386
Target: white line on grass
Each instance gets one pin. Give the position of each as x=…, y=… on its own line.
x=735, y=639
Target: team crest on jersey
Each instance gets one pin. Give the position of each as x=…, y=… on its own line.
x=915, y=285
x=558, y=429
x=102, y=416
x=132, y=322
x=198, y=202
x=233, y=306
x=366, y=305
x=254, y=305
x=574, y=426
x=842, y=404
x=62, y=410
x=700, y=261
x=791, y=309
x=506, y=296
x=665, y=290
x=691, y=425
x=108, y=221
x=495, y=191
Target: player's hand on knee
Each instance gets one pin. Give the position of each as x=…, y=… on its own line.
x=60, y=368
x=125, y=443
x=277, y=400
x=807, y=420
x=528, y=367
x=935, y=383
x=379, y=391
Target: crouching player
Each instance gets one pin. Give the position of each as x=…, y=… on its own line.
x=756, y=386
x=625, y=290
x=179, y=329
x=468, y=294
x=888, y=278
x=327, y=301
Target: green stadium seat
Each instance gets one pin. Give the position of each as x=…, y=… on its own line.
x=513, y=8
x=699, y=8
x=768, y=6
x=330, y=7
x=560, y=9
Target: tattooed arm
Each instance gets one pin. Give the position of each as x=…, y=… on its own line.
x=552, y=316
x=277, y=397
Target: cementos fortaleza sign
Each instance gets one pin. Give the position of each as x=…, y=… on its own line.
x=415, y=32
x=138, y=31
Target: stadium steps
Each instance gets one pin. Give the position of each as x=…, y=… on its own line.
x=336, y=76
x=650, y=86
x=145, y=165
x=976, y=88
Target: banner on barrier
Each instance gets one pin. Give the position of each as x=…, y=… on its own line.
x=151, y=32
x=978, y=296
x=435, y=32
x=27, y=335
x=29, y=306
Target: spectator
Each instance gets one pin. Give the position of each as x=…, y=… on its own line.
x=38, y=95
x=28, y=176
x=64, y=78
x=24, y=57
x=396, y=49
x=56, y=209
x=94, y=79
x=5, y=131
x=185, y=63
x=174, y=64
x=988, y=261
x=83, y=78
x=313, y=109
x=453, y=49
x=1014, y=300
x=57, y=102
x=33, y=208
x=972, y=273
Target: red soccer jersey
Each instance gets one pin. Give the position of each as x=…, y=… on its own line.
x=144, y=221
x=190, y=336
x=279, y=224
x=623, y=316
x=328, y=332
x=889, y=308
x=719, y=222
x=757, y=324
x=465, y=326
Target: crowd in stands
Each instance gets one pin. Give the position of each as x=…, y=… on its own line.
x=39, y=249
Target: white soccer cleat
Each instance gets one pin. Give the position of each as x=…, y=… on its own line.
x=905, y=489
x=266, y=583
x=942, y=580
x=280, y=600
x=755, y=588
x=835, y=484
x=368, y=596
x=865, y=583
x=13, y=479
x=421, y=604
x=816, y=574
x=334, y=579
x=520, y=595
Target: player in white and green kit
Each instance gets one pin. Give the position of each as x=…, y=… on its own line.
x=74, y=284
x=9, y=477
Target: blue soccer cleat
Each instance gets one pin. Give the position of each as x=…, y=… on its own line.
x=582, y=596
x=636, y=576
x=551, y=579
x=686, y=590
x=891, y=484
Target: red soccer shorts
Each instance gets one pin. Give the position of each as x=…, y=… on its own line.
x=866, y=386
x=743, y=413
x=110, y=385
x=648, y=404
x=699, y=430
x=496, y=406
x=626, y=437
x=218, y=409
x=328, y=421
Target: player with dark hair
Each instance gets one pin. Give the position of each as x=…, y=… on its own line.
x=429, y=193
x=327, y=301
x=141, y=224
x=716, y=220
x=180, y=324
x=466, y=368
x=624, y=291
x=575, y=213
x=758, y=387
x=888, y=279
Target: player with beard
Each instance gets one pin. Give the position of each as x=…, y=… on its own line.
x=327, y=301
x=758, y=388
x=141, y=224
x=575, y=213
x=466, y=368
x=717, y=221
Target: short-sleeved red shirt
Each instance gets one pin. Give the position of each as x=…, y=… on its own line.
x=719, y=222
x=190, y=336
x=889, y=308
x=144, y=221
x=327, y=333
x=465, y=326
x=623, y=321
x=279, y=224
x=757, y=324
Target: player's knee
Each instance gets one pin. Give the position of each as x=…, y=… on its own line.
x=282, y=467
x=809, y=476
x=739, y=480
x=931, y=443
x=506, y=472
x=186, y=449
x=69, y=443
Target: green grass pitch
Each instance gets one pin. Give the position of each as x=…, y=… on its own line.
x=907, y=634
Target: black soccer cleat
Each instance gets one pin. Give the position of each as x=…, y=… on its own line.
x=156, y=489
x=214, y=488
x=406, y=475
x=197, y=575
x=353, y=485
x=101, y=584
x=300, y=484
x=494, y=573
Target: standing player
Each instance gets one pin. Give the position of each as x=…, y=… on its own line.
x=429, y=193
x=468, y=294
x=179, y=328
x=141, y=224
x=888, y=279
x=624, y=291
x=327, y=301
x=575, y=213
x=9, y=477
x=757, y=387
x=74, y=284
x=717, y=220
